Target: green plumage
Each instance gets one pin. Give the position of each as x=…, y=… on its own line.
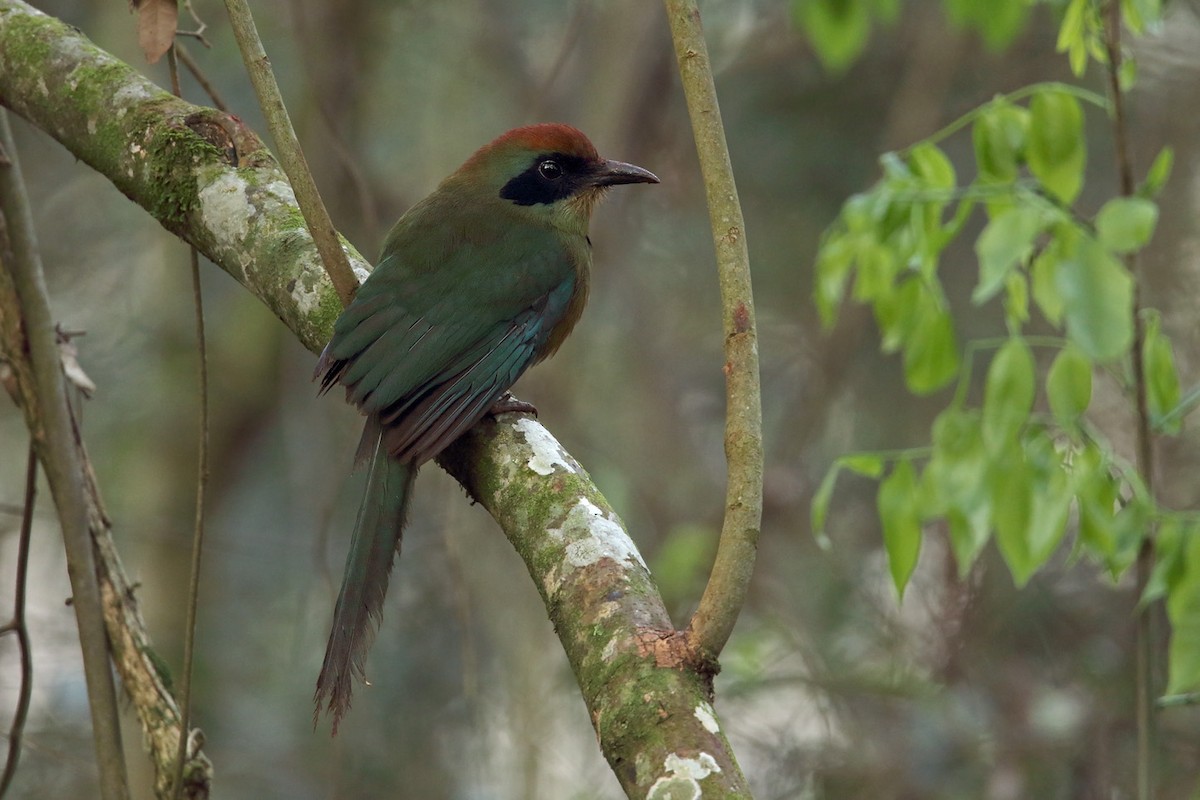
x=476, y=283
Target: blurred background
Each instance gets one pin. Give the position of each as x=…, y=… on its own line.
x=831, y=687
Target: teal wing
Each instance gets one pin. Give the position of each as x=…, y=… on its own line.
x=428, y=351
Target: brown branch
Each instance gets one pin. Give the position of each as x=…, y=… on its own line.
x=1144, y=622
x=193, y=596
x=54, y=440
x=729, y=582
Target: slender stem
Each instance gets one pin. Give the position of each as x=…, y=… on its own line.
x=18, y=626
x=954, y=127
x=1144, y=622
x=193, y=600
x=729, y=582
x=291, y=157
x=56, y=447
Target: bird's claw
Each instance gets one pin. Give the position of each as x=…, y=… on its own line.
x=507, y=403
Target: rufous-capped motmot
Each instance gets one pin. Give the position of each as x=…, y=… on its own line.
x=479, y=281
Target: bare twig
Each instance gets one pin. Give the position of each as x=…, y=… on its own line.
x=17, y=625
x=55, y=444
x=729, y=582
x=291, y=157
x=193, y=599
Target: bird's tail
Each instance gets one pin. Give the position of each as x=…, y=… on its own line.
x=360, y=602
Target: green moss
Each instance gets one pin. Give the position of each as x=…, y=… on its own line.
x=175, y=153
x=27, y=38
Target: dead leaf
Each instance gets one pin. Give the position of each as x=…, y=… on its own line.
x=157, y=21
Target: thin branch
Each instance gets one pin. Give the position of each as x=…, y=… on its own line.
x=291, y=157
x=1144, y=625
x=17, y=626
x=56, y=448
x=193, y=598
x=729, y=582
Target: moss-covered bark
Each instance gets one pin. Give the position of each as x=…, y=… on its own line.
x=201, y=173
x=649, y=702
x=209, y=180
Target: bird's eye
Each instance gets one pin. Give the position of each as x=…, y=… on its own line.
x=550, y=169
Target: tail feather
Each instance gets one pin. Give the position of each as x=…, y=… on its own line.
x=360, y=602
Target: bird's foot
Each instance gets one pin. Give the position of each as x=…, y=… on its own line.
x=507, y=403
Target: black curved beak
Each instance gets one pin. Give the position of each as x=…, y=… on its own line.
x=613, y=173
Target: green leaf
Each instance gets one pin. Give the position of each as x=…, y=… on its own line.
x=1045, y=285
x=1140, y=13
x=1162, y=380
x=1012, y=502
x=1052, y=496
x=901, y=523
x=834, y=261
x=956, y=482
x=1125, y=224
x=998, y=23
x=1170, y=541
x=1159, y=173
x=1069, y=386
x=1007, y=395
x=928, y=162
x=837, y=29
x=897, y=314
x=1096, y=493
x=1006, y=241
x=1016, y=300
x=1097, y=294
x=999, y=136
x=869, y=465
x=1127, y=74
x=819, y=511
x=1131, y=526
x=876, y=273
x=1072, y=35
x=1057, y=152
x=1183, y=611
x=925, y=330
x=931, y=352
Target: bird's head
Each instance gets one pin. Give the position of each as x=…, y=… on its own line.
x=550, y=171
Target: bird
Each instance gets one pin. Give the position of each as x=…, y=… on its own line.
x=476, y=283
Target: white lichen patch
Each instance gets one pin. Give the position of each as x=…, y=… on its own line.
x=603, y=537
x=683, y=776
x=610, y=650
x=547, y=452
x=225, y=209
x=704, y=713
x=131, y=94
